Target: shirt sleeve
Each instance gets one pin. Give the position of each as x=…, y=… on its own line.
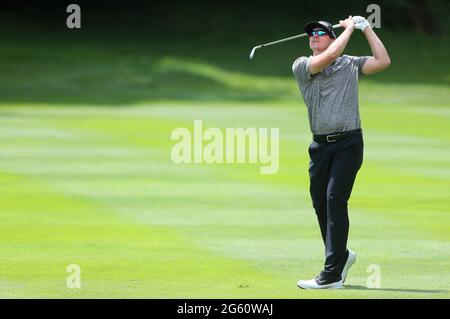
x=300, y=68
x=359, y=62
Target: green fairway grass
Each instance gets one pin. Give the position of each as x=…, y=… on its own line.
x=86, y=176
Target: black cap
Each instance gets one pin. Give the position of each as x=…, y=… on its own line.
x=325, y=26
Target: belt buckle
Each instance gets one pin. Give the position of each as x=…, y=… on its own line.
x=330, y=141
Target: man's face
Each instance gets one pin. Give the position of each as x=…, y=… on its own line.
x=319, y=42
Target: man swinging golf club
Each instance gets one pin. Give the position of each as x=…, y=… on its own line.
x=328, y=82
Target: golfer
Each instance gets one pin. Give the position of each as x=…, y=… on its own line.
x=328, y=81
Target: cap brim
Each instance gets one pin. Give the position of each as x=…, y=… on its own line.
x=311, y=25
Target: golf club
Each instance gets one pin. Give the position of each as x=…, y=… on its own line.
x=252, y=53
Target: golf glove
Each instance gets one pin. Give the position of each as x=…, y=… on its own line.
x=360, y=23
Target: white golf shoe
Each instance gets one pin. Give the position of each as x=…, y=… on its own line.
x=318, y=284
x=350, y=261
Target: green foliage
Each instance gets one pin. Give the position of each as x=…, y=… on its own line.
x=117, y=69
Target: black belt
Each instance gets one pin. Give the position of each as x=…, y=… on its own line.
x=334, y=137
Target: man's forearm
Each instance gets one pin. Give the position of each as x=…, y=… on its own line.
x=334, y=51
x=379, y=52
x=336, y=48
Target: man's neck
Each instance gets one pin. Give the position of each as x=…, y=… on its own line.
x=316, y=52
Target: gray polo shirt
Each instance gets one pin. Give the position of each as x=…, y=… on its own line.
x=331, y=95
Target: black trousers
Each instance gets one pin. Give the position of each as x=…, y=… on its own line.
x=332, y=171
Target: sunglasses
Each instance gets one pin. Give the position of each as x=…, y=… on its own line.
x=317, y=33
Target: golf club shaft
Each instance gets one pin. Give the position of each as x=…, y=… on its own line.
x=284, y=40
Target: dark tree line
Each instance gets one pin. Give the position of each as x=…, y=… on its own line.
x=424, y=16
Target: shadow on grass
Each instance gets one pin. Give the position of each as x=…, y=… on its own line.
x=426, y=291
x=86, y=73
x=101, y=69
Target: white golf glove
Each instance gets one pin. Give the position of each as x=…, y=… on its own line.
x=360, y=23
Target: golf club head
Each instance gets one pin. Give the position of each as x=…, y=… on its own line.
x=252, y=53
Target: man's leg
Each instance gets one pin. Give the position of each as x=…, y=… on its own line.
x=345, y=163
x=319, y=169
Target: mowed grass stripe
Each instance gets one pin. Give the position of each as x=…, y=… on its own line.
x=119, y=258
x=221, y=236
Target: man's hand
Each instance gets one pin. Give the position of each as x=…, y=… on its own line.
x=360, y=23
x=348, y=23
